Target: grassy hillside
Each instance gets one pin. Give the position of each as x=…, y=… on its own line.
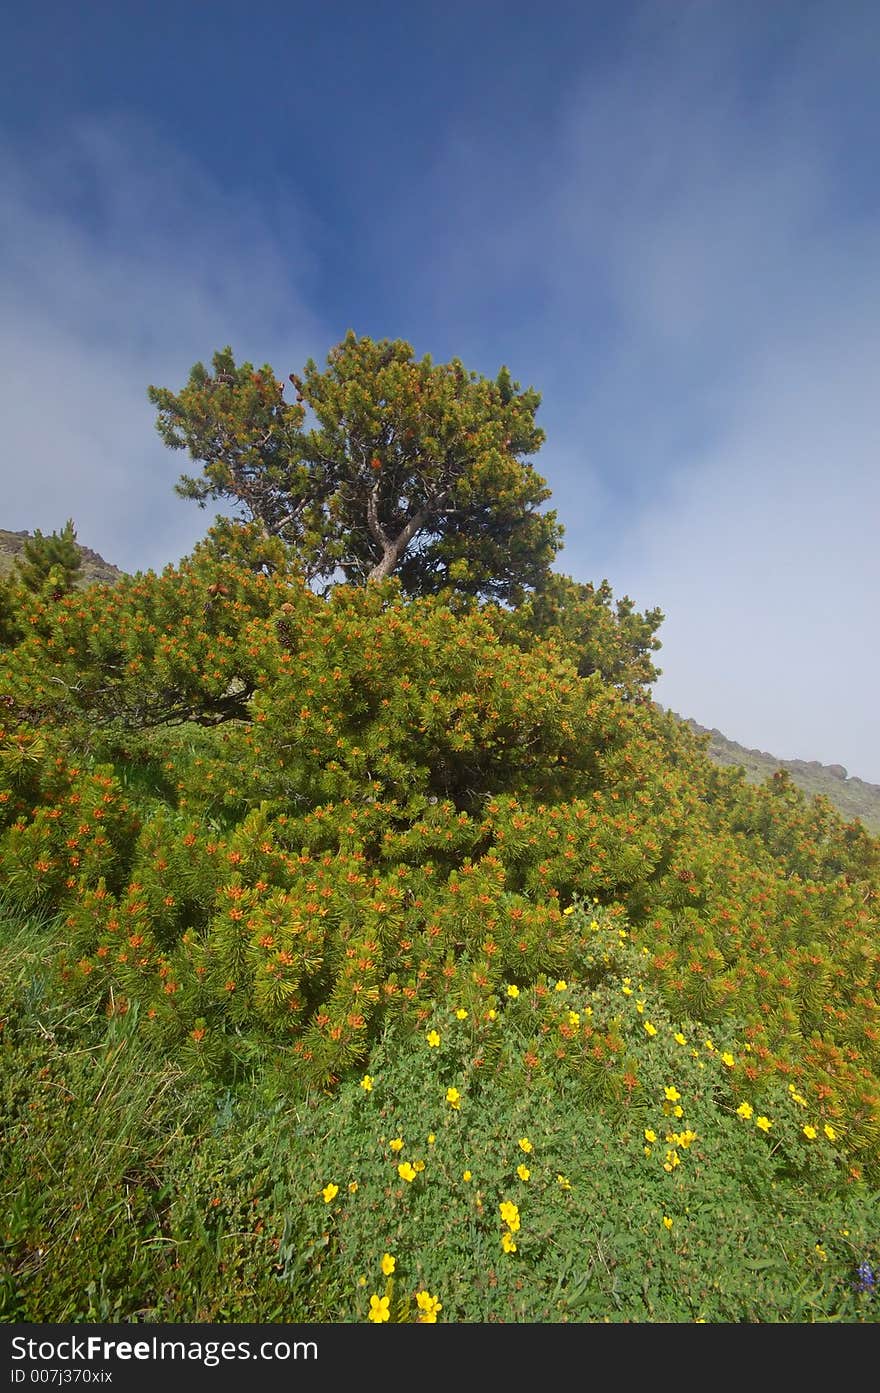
x=852, y=797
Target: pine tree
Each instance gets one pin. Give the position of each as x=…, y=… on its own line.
x=50, y=565
x=11, y=631
x=409, y=468
x=597, y=633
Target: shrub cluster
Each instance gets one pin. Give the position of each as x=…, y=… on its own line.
x=278, y=821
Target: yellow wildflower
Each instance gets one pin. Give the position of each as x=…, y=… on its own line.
x=650, y=1134
x=379, y=1309
x=453, y=1098
x=574, y=1018
x=406, y=1171
x=561, y=986
x=330, y=1192
x=429, y=1306
x=728, y=1059
x=672, y=1094
x=467, y=1176
x=433, y=1039
x=667, y=1222
x=563, y=1182
x=396, y=1144
x=679, y=1038
x=507, y=1243
x=510, y=1214
x=569, y=909
x=513, y=991
x=650, y=1029
x=388, y=1264
x=745, y=1110
x=366, y=1083
x=810, y=1132
x=523, y=1172
x=764, y=1123
x=461, y=1014
x=829, y=1132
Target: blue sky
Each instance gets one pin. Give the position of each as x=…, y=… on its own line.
x=664, y=216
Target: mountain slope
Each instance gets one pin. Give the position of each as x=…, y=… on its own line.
x=94, y=567
x=851, y=796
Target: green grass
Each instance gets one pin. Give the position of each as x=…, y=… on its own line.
x=136, y=1191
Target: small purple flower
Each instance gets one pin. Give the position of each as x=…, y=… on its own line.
x=866, y=1277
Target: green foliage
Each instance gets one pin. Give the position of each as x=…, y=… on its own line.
x=45, y=569
x=96, y=1220
x=237, y=424
x=640, y=1193
x=614, y=642
x=11, y=631
x=48, y=566
x=411, y=468
x=652, y=1179
x=276, y=840
x=152, y=649
x=93, y=566
x=389, y=799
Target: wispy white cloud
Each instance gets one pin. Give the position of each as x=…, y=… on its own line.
x=124, y=263
x=763, y=550
x=700, y=267
x=748, y=301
